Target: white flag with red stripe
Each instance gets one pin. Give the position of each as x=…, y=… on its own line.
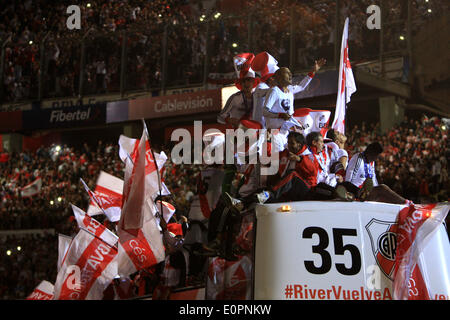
x=87, y=270
x=128, y=147
x=44, y=291
x=32, y=189
x=167, y=208
x=89, y=223
x=416, y=225
x=108, y=197
x=346, y=84
x=312, y=120
x=140, y=241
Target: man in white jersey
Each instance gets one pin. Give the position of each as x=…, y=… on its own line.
x=335, y=141
x=361, y=179
x=279, y=103
x=239, y=105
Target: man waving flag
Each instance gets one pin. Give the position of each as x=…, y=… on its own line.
x=346, y=84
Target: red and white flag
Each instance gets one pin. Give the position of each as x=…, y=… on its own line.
x=167, y=208
x=242, y=62
x=89, y=223
x=346, y=84
x=416, y=225
x=44, y=291
x=128, y=149
x=140, y=241
x=32, y=189
x=63, y=245
x=87, y=270
x=312, y=120
x=108, y=197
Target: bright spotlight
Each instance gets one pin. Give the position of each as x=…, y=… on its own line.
x=234, y=45
x=8, y=252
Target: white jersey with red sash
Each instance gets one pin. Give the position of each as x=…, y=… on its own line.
x=323, y=162
x=334, y=152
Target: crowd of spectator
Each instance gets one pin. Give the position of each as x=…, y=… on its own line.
x=414, y=164
x=415, y=158
x=267, y=24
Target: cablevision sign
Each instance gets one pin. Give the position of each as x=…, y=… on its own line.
x=165, y=106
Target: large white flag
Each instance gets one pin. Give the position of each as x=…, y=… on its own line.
x=87, y=270
x=140, y=241
x=128, y=147
x=108, y=197
x=44, y=291
x=346, y=84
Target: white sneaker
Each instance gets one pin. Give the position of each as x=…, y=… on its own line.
x=263, y=196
